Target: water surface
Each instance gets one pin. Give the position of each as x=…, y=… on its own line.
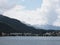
x=28, y=40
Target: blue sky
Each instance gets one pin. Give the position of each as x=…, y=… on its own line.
x=30, y=4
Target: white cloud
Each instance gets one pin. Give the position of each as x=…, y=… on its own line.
x=49, y=9
x=28, y=16
x=6, y=4
x=47, y=14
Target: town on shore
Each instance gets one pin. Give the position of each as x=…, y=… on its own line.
x=31, y=34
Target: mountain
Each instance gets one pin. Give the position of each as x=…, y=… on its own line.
x=47, y=27
x=5, y=28
x=12, y=25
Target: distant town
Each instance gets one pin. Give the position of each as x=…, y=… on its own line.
x=31, y=34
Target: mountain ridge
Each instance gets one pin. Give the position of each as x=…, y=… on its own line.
x=47, y=27
x=17, y=25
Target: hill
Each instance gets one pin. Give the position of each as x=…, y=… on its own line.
x=12, y=25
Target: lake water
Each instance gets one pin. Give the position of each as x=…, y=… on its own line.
x=29, y=40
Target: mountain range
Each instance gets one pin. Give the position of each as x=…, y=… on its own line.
x=13, y=25
x=47, y=27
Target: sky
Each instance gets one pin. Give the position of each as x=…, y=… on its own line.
x=32, y=12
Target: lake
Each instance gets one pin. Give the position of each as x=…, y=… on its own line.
x=29, y=40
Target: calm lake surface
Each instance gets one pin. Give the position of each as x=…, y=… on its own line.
x=29, y=40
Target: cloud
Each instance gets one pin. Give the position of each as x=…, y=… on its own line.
x=28, y=16
x=50, y=9
x=6, y=4
x=48, y=13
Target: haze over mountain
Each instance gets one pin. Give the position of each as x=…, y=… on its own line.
x=47, y=27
